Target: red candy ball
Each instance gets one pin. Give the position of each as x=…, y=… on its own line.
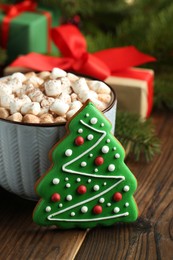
x=99, y=160
x=97, y=209
x=79, y=140
x=56, y=197
x=117, y=196
x=82, y=189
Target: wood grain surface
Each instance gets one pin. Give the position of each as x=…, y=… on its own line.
x=150, y=237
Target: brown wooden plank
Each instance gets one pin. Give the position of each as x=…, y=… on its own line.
x=20, y=238
x=151, y=236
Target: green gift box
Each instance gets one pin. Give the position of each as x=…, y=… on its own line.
x=28, y=32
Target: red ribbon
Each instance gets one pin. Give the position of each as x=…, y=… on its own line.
x=73, y=48
x=14, y=10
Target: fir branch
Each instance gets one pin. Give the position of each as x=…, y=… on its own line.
x=2, y=56
x=139, y=137
x=163, y=96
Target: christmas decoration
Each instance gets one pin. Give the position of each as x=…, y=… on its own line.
x=20, y=24
x=138, y=85
x=75, y=192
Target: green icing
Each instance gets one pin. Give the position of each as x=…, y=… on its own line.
x=78, y=168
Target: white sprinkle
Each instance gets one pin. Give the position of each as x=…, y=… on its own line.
x=117, y=155
x=89, y=180
x=87, y=115
x=72, y=214
x=68, y=152
x=91, y=155
x=80, y=131
x=105, y=149
x=66, y=179
x=102, y=124
x=55, y=181
x=96, y=187
x=116, y=210
x=93, y=120
x=126, y=188
x=114, y=148
x=108, y=140
x=48, y=209
x=69, y=197
x=96, y=170
x=104, y=183
x=108, y=204
x=126, y=204
x=78, y=179
x=90, y=137
x=68, y=185
x=83, y=164
x=60, y=205
x=111, y=167
x=84, y=209
x=101, y=200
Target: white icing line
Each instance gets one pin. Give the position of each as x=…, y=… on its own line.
x=122, y=178
x=92, y=219
x=85, y=201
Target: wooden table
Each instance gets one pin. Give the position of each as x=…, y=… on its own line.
x=150, y=237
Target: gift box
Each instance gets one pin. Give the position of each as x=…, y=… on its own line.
x=24, y=29
x=134, y=89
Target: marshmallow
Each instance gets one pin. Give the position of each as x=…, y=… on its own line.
x=53, y=88
x=28, y=88
x=72, y=77
x=15, y=105
x=44, y=75
x=106, y=98
x=5, y=89
x=57, y=73
x=99, y=87
x=25, y=99
x=74, y=97
x=89, y=95
x=3, y=113
x=46, y=119
x=66, y=85
x=30, y=74
x=43, y=110
x=71, y=113
x=76, y=105
x=15, y=84
x=34, y=80
x=79, y=86
x=59, y=107
x=36, y=95
x=31, y=108
x=32, y=119
x=60, y=120
x=99, y=104
x=16, y=117
x=65, y=98
x=6, y=100
x=18, y=75
x=47, y=102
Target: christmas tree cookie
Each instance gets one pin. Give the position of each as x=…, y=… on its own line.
x=88, y=183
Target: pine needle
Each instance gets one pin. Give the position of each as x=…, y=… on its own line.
x=139, y=137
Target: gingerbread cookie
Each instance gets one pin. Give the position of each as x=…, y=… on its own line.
x=88, y=183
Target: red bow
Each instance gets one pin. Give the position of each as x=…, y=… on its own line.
x=11, y=12
x=73, y=48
